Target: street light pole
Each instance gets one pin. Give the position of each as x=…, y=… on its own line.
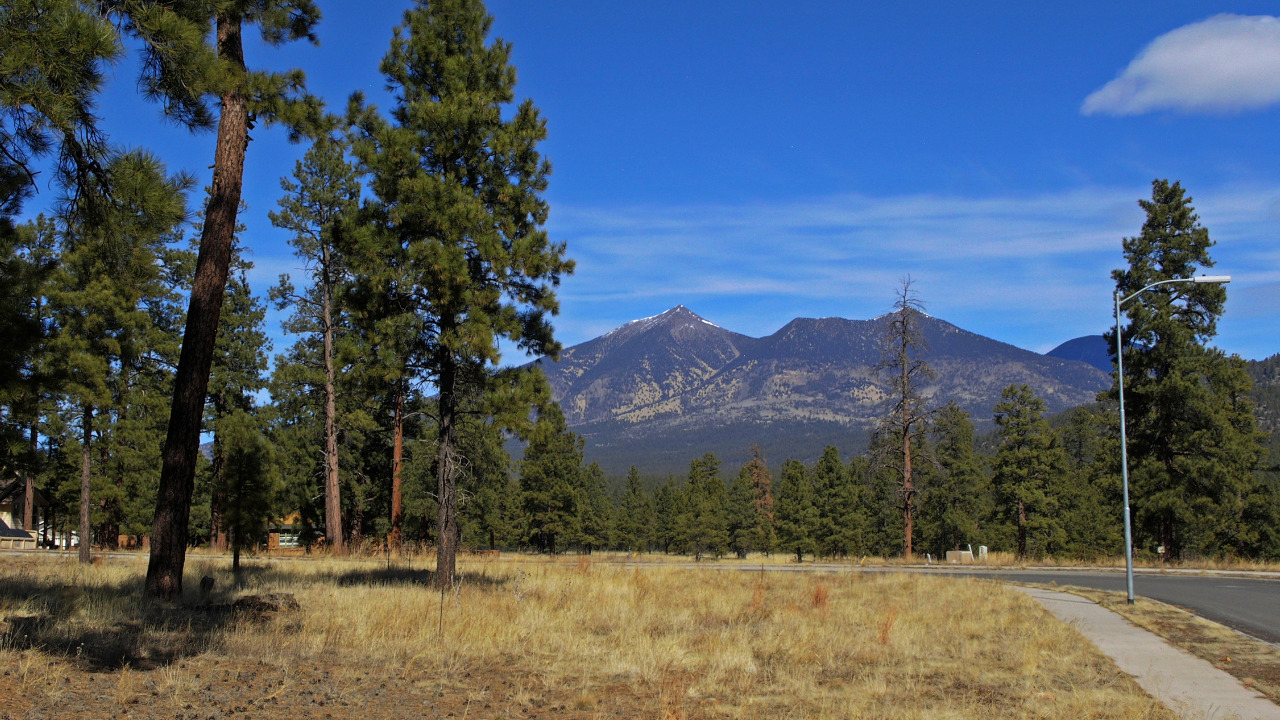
x=1124, y=444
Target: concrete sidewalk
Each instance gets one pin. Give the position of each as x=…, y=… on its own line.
x=1186, y=684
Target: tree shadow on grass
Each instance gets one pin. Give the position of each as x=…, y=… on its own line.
x=111, y=626
x=408, y=576
x=105, y=627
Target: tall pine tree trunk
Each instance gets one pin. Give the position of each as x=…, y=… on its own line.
x=332, y=500
x=446, y=474
x=394, y=539
x=86, y=426
x=177, y=475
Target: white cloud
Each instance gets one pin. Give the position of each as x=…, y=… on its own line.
x=1227, y=63
x=1032, y=270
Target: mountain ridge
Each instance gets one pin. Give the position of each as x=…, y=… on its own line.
x=644, y=390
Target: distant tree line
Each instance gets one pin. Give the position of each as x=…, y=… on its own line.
x=1050, y=486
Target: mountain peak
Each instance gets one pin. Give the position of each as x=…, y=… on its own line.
x=681, y=312
x=664, y=386
x=678, y=315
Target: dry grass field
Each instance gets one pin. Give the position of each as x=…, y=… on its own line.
x=568, y=639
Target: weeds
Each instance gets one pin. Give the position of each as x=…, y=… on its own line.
x=820, y=595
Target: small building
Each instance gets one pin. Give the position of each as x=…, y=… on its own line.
x=284, y=533
x=20, y=515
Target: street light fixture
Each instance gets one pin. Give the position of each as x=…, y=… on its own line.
x=1124, y=451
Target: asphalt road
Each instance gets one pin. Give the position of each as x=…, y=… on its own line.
x=1247, y=604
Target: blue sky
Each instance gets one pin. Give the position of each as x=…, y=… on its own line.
x=758, y=162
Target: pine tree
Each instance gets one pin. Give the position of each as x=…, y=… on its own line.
x=112, y=274
x=1193, y=440
x=882, y=489
x=752, y=522
x=324, y=193
x=740, y=513
x=836, y=533
x=26, y=265
x=956, y=505
x=668, y=506
x=47, y=99
x=1090, y=494
x=489, y=495
x=28, y=390
x=595, y=512
x=702, y=526
x=796, y=512
x=459, y=215
x=298, y=429
x=1027, y=471
x=860, y=525
x=636, y=515
x=550, y=481
x=239, y=364
x=249, y=482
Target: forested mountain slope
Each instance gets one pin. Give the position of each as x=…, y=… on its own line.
x=657, y=391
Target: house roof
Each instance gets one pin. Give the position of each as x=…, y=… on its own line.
x=13, y=491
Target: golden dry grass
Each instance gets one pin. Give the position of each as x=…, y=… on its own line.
x=576, y=639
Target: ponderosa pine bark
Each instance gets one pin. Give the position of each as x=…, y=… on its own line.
x=177, y=475
x=332, y=498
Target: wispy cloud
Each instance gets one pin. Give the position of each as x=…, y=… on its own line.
x=1227, y=63
x=1031, y=270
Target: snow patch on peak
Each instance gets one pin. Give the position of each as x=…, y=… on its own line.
x=678, y=314
x=653, y=320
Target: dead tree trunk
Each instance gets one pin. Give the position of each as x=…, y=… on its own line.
x=908, y=485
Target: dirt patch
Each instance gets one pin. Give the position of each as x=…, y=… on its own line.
x=213, y=689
